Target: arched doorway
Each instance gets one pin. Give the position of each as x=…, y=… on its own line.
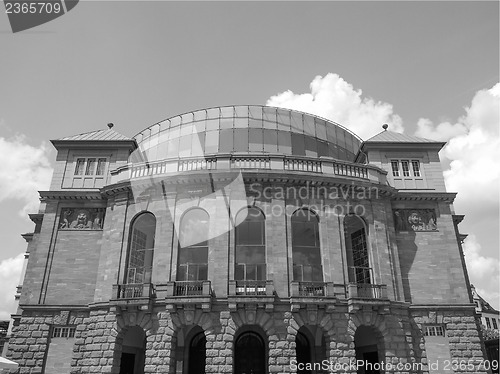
x=369, y=349
x=133, y=351
x=310, y=348
x=197, y=354
x=303, y=352
x=250, y=354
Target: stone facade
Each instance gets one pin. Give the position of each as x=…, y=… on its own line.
x=388, y=284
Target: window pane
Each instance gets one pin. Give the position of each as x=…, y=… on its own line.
x=270, y=141
x=80, y=162
x=241, y=123
x=311, y=147
x=226, y=123
x=416, y=168
x=173, y=148
x=227, y=112
x=241, y=140
x=185, y=146
x=395, y=168
x=91, y=163
x=200, y=115
x=212, y=142
x=298, y=145
x=285, y=142
x=322, y=148
x=309, y=126
x=226, y=141
x=256, y=140
x=284, y=120
x=320, y=129
x=297, y=125
x=406, y=168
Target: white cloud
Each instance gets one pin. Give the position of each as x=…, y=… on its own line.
x=442, y=132
x=10, y=278
x=484, y=271
x=333, y=98
x=24, y=170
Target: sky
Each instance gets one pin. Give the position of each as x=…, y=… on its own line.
x=429, y=69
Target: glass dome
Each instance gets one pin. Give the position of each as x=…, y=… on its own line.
x=247, y=129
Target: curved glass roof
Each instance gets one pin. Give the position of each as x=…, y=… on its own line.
x=247, y=129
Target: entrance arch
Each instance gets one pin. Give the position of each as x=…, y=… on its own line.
x=369, y=348
x=197, y=353
x=310, y=348
x=250, y=354
x=133, y=351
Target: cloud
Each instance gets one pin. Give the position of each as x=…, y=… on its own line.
x=483, y=270
x=442, y=132
x=333, y=98
x=10, y=277
x=24, y=170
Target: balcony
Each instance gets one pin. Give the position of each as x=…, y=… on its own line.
x=362, y=295
x=319, y=293
x=138, y=294
x=185, y=294
x=255, y=292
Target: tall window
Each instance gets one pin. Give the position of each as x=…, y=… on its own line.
x=306, y=252
x=193, y=246
x=141, y=247
x=250, y=252
x=357, y=250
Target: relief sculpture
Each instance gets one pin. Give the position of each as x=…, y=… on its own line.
x=415, y=220
x=81, y=219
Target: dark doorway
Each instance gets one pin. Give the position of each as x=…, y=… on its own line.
x=133, y=351
x=368, y=345
x=127, y=363
x=197, y=354
x=250, y=355
x=303, y=350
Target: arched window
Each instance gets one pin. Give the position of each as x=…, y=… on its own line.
x=193, y=246
x=306, y=253
x=303, y=352
x=357, y=250
x=249, y=354
x=141, y=247
x=250, y=251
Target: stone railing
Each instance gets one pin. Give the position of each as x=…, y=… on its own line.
x=251, y=288
x=367, y=291
x=324, y=165
x=179, y=289
x=132, y=291
x=317, y=289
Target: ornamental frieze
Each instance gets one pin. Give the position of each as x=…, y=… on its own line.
x=415, y=219
x=81, y=219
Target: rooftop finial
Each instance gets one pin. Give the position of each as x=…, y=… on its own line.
x=110, y=125
x=385, y=126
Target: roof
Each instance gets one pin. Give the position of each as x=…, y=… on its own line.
x=485, y=306
x=98, y=135
x=396, y=137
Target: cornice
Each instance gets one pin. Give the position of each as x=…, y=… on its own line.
x=93, y=194
x=416, y=195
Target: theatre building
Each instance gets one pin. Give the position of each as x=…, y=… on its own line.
x=246, y=239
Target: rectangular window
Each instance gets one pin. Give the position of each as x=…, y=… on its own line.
x=495, y=326
x=395, y=168
x=64, y=332
x=416, y=168
x=101, y=164
x=436, y=330
x=488, y=324
x=90, y=170
x=80, y=162
x=405, y=165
